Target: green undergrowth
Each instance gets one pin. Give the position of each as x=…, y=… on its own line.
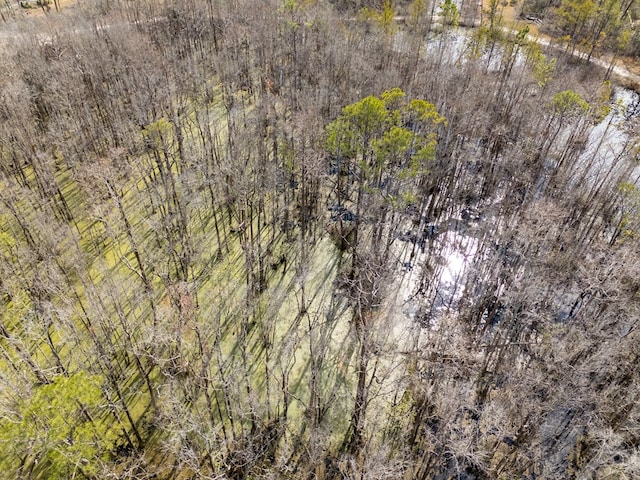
x=101, y=319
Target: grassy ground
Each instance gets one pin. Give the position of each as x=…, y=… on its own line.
x=264, y=341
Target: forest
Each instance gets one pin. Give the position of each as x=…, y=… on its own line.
x=328, y=239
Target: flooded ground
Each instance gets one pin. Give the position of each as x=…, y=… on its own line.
x=434, y=258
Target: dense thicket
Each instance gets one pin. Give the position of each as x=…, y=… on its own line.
x=273, y=240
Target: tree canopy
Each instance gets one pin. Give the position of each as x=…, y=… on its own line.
x=388, y=139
